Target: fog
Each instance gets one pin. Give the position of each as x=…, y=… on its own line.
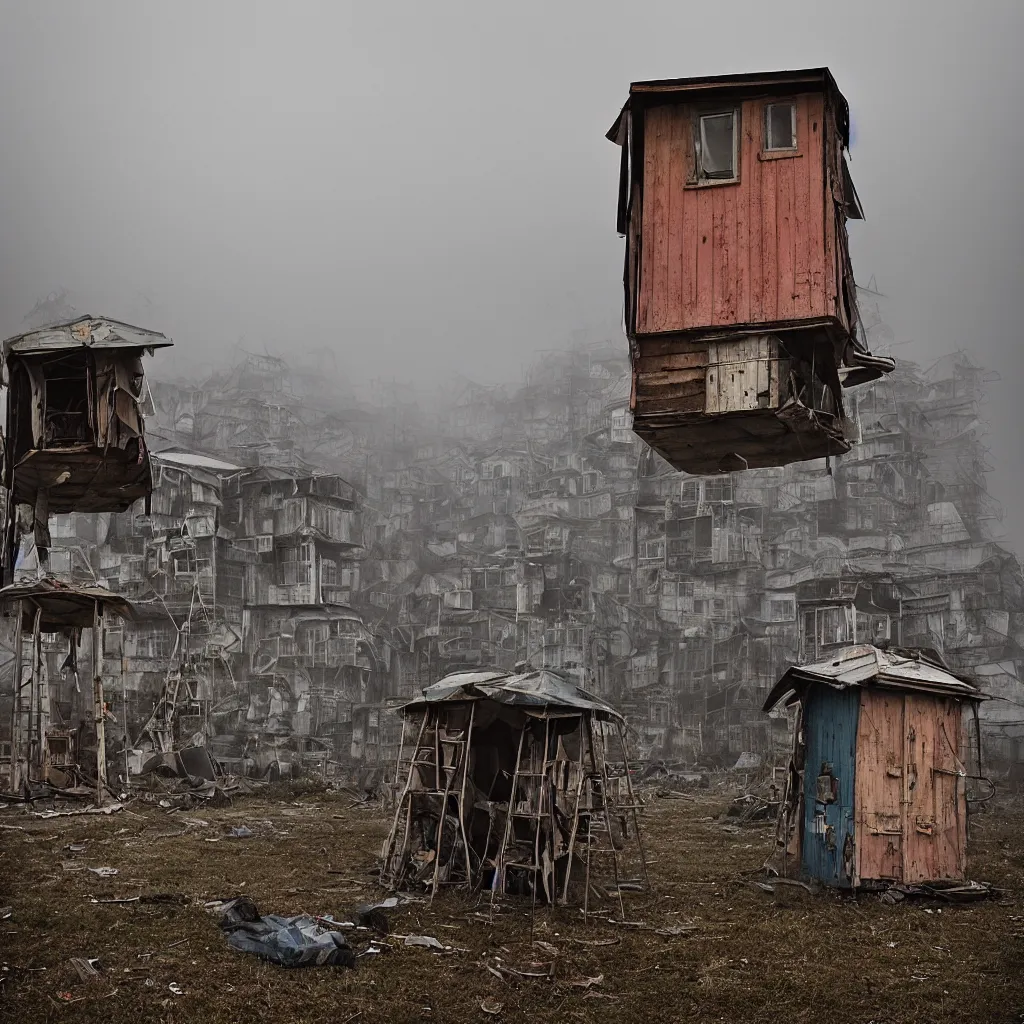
x=427, y=188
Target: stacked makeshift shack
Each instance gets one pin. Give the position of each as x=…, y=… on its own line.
x=518, y=783
x=75, y=438
x=876, y=788
x=45, y=747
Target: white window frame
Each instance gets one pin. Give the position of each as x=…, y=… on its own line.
x=769, y=146
x=699, y=176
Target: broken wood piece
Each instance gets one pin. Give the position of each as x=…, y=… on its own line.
x=85, y=968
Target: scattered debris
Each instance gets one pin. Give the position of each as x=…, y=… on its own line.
x=676, y=929
x=491, y=1006
x=163, y=898
x=529, y=971
x=587, y=982
x=747, y=761
x=86, y=969
x=176, y=989
x=423, y=940
x=753, y=809
x=104, y=872
x=969, y=892
x=776, y=885
x=241, y=832
x=105, y=809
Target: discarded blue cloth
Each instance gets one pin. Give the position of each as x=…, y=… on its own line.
x=288, y=941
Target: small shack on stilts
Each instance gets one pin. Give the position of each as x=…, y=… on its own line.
x=516, y=784
x=44, y=751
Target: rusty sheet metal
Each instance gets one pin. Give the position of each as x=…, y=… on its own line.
x=540, y=689
x=63, y=605
x=860, y=664
x=85, y=332
x=195, y=460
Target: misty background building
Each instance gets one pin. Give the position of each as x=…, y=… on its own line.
x=312, y=557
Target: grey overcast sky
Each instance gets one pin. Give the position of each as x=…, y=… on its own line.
x=426, y=186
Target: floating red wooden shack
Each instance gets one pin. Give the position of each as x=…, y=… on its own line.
x=740, y=304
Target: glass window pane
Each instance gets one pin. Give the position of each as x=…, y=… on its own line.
x=716, y=137
x=781, y=133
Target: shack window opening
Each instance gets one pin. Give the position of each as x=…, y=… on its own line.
x=67, y=402
x=716, y=147
x=780, y=126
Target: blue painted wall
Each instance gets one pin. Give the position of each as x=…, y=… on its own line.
x=830, y=731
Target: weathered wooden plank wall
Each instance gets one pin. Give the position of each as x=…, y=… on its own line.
x=911, y=806
x=879, y=789
x=744, y=253
x=935, y=827
x=830, y=718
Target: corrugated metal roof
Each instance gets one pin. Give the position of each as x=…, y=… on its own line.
x=62, y=604
x=198, y=461
x=536, y=688
x=862, y=664
x=85, y=332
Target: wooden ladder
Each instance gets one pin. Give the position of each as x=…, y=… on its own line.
x=537, y=799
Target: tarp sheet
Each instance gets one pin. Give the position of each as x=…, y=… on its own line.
x=287, y=941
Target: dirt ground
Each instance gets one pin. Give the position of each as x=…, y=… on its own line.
x=750, y=956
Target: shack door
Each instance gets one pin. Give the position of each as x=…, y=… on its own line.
x=880, y=768
x=830, y=718
x=911, y=795
x=935, y=819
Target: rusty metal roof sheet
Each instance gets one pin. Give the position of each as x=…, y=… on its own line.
x=195, y=460
x=63, y=605
x=538, y=689
x=84, y=332
x=864, y=665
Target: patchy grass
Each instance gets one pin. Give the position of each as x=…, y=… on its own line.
x=751, y=958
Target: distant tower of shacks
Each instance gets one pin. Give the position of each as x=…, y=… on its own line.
x=74, y=442
x=740, y=303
